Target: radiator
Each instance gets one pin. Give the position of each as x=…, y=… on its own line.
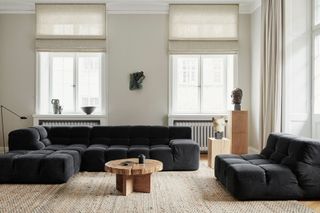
x=69, y=122
x=200, y=131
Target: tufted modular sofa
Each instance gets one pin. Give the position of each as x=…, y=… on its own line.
x=287, y=168
x=53, y=154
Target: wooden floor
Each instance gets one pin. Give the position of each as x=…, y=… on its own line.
x=315, y=205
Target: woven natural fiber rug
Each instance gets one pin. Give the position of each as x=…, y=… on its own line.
x=171, y=192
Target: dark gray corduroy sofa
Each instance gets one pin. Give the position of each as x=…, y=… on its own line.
x=287, y=168
x=53, y=154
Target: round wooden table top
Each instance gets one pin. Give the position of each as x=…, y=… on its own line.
x=131, y=166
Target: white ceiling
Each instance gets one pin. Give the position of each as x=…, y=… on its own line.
x=125, y=6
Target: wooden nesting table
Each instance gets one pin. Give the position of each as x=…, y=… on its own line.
x=132, y=176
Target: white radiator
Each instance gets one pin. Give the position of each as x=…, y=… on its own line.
x=201, y=131
x=69, y=122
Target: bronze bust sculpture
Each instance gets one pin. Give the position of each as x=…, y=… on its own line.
x=236, y=96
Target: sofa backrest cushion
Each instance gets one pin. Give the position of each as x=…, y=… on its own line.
x=110, y=135
x=177, y=132
x=66, y=135
x=137, y=135
x=43, y=135
x=25, y=139
x=159, y=135
x=301, y=155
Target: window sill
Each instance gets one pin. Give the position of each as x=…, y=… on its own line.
x=192, y=117
x=64, y=116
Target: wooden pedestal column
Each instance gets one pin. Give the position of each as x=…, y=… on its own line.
x=238, y=131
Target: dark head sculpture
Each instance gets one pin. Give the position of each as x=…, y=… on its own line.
x=236, y=96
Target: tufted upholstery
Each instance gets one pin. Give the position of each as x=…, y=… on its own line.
x=287, y=168
x=61, y=151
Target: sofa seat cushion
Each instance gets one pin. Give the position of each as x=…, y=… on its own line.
x=27, y=167
x=222, y=162
x=57, y=167
x=164, y=154
x=6, y=165
x=77, y=147
x=116, y=152
x=94, y=158
x=75, y=155
x=281, y=181
x=55, y=147
x=135, y=150
x=261, y=161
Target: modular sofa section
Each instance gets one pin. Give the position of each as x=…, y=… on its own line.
x=287, y=168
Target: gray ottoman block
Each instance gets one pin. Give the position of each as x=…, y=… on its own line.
x=57, y=168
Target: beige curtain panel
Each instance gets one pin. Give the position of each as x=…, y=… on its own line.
x=203, y=28
x=271, y=67
x=71, y=27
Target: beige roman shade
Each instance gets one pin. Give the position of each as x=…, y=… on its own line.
x=203, y=28
x=71, y=27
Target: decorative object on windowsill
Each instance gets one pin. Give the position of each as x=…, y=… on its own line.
x=136, y=80
x=2, y=124
x=57, y=108
x=236, y=96
x=88, y=109
x=219, y=124
x=142, y=158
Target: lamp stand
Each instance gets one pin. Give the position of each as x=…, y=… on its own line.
x=2, y=124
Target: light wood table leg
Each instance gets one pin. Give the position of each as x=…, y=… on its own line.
x=137, y=183
x=142, y=183
x=124, y=183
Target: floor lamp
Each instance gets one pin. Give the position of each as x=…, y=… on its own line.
x=2, y=124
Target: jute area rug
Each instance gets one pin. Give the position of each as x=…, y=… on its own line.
x=171, y=192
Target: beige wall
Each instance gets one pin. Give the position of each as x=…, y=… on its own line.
x=17, y=68
x=138, y=42
x=135, y=42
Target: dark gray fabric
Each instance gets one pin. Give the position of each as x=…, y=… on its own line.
x=287, y=168
x=94, y=158
x=59, y=152
x=164, y=154
x=186, y=154
x=25, y=139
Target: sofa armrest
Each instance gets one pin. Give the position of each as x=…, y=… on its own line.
x=25, y=139
x=186, y=154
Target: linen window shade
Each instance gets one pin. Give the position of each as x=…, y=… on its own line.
x=203, y=28
x=71, y=27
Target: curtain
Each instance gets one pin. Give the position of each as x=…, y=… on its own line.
x=71, y=27
x=271, y=68
x=203, y=28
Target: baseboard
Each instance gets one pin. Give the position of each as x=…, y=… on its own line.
x=1, y=149
x=253, y=150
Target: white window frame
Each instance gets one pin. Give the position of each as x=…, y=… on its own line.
x=315, y=32
x=172, y=113
x=103, y=80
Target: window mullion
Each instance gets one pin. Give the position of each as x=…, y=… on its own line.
x=201, y=83
x=75, y=82
x=50, y=81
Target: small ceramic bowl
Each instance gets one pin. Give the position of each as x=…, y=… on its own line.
x=88, y=109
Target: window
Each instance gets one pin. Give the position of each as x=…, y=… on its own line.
x=73, y=78
x=201, y=84
x=316, y=58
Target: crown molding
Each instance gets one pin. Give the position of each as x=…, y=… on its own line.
x=129, y=7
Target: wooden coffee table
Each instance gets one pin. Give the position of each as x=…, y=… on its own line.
x=132, y=176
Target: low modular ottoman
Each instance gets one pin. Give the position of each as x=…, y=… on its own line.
x=287, y=168
x=40, y=166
